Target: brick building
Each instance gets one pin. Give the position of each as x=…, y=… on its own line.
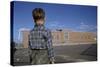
x=64, y=36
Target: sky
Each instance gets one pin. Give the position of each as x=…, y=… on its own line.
x=58, y=16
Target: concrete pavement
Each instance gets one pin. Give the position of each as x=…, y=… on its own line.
x=63, y=54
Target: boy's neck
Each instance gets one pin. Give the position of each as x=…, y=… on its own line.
x=39, y=27
x=39, y=24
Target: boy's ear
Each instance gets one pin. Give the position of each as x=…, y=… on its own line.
x=44, y=19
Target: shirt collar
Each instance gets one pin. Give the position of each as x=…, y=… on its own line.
x=39, y=27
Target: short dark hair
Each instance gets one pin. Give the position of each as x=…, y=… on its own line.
x=38, y=13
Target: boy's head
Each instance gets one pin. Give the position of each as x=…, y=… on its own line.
x=38, y=16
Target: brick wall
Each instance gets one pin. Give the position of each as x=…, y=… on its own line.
x=64, y=37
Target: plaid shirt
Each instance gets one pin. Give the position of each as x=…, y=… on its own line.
x=41, y=38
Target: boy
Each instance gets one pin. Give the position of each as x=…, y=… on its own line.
x=40, y=40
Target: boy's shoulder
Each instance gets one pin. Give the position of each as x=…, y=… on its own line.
x=44, y=30
x=47, y=29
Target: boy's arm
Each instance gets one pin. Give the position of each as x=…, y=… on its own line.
x=50, y=47
x=29, y=43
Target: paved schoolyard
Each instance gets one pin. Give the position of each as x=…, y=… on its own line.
x=63, y=54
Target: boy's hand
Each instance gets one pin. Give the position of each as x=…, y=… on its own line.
x=52, y=60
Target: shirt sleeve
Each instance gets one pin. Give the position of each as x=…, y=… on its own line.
x=50, y=46
x=29, y=41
